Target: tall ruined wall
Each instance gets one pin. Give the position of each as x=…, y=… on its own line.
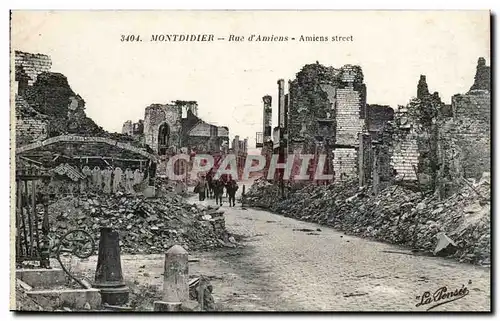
x=465, y=138
x=350, y=109
x=465, y=144
x=338, y=96
x=349, y=115
x=308, y=102
x=155, y=116
x=54, y=108
x=482, y=79
x=32, y=64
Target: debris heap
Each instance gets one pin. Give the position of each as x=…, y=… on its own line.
x=145, y=225
x=398, y=214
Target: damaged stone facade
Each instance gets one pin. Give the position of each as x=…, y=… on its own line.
x=46, y=106
x=465, y=138
x=167, y=128
x=326, y=113
x=54, y=134
x=437, y=144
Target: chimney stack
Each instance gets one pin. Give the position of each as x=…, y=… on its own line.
x=268, y=118
x=281, y=103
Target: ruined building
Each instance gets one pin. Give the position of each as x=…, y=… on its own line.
x=167, y=128
x=435, y=144
x=46, y=106
x=55, y=137
x=427, y=141
x=325, y=112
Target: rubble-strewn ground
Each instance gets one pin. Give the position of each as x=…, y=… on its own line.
x=397, y=214
x=144, y=225
x=288, y=265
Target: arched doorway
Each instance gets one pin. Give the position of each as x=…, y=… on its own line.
x=163, y=138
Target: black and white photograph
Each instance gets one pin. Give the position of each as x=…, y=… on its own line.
x=212, y=161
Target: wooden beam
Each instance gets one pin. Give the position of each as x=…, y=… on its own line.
x=30, y=160
x=110, y=158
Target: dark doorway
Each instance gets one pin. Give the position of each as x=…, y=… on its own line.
x=163, y=139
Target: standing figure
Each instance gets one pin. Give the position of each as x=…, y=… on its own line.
x=231, y=188
x=210, y=183
x=201, y=188
x=218, y=191
x=117, y=179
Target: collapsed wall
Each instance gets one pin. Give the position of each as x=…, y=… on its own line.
x=46, y=106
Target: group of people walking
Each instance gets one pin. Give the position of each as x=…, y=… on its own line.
x=210, y=187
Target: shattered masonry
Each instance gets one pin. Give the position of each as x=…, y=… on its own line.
x=167, y=128
x=326, y=112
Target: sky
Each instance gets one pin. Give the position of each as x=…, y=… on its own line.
x=118, y=80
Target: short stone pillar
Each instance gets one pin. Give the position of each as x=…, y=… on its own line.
x=175, y=280
x=108, y=275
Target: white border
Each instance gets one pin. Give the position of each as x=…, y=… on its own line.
x=198, y=5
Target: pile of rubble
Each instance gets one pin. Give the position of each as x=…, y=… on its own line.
x=458, y=226
x=145, y=225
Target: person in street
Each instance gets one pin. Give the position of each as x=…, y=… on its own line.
x=231, y=188
x=201, y=188
x=218, y=191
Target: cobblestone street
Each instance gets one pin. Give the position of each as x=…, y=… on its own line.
x=283, y=269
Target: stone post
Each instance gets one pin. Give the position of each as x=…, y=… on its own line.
x=108, y=275
x=175, y=280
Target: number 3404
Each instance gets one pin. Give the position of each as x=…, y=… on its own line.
x=130, y=38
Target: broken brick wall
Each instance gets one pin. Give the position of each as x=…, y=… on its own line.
x=465, y=138
x=345, y=163
x=350, y=116
x=325, y=93
x=405, y=155
x=350, y=107
x=32, y=64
